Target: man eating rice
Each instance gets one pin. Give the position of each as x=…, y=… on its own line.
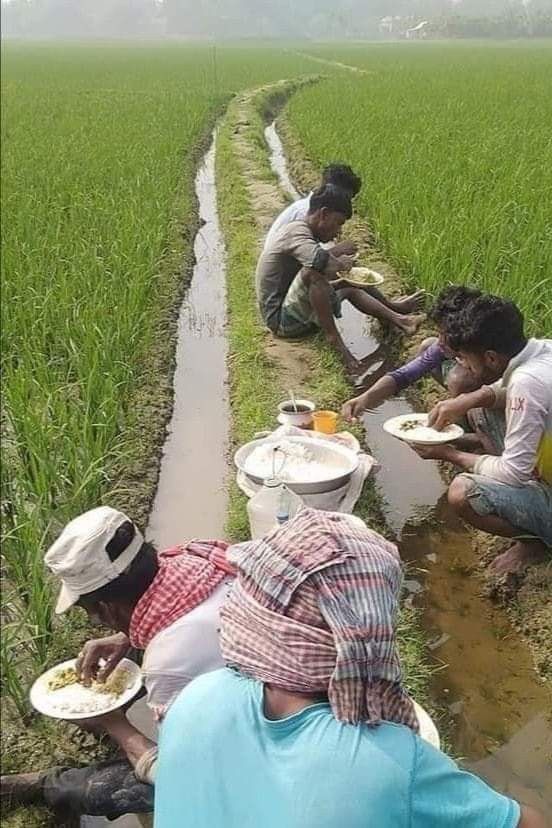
x=164, y=604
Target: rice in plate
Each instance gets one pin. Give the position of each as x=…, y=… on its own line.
x=58, y=692
x=363, y=277
x=413, y=428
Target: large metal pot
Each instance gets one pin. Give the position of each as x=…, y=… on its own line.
x=341, y=462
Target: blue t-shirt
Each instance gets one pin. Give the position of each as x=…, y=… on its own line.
x=223, y=764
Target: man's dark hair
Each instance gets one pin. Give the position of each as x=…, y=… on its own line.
x=488, y=323
x=332, y=198
x=451, y=300
x=136, y=578
x=342, y=176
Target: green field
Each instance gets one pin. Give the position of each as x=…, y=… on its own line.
x=100, y=146
x=455, y=149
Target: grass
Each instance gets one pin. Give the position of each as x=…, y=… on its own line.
x=100, y=146
x=453, y=145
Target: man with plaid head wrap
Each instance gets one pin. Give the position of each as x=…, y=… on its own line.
x=310, y=726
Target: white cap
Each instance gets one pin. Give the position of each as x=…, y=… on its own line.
x=79, y=556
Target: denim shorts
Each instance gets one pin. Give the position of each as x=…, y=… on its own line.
x=528, y=508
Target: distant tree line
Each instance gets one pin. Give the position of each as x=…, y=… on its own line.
x=310, y=19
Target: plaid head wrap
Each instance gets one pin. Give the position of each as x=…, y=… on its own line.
x=313, y=610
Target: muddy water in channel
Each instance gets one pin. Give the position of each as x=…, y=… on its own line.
x=501, y=713
x=191, y=495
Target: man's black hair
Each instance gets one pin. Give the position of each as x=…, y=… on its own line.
x=451, y=300
x=342, y=176
x=332, y=198
x=136, y=578
x=488, y=323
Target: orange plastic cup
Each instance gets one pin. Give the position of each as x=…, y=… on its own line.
x=325, y=421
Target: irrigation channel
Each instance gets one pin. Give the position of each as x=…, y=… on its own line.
x=191, y=495
x=485, y=678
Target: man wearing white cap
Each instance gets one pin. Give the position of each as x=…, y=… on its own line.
x=165, y=604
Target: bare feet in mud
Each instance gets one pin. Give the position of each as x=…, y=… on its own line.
x=410, y=324
x=517, y=558
x=410, y=304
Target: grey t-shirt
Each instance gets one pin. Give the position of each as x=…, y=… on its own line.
x=293, y=247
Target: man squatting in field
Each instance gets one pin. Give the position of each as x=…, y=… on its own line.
x=434, y=359
x=163, y=604
x=506, y=485
x=298, y=288
x=312, y=727
x=310, y=632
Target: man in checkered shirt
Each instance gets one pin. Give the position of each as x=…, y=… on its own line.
x=165, y=605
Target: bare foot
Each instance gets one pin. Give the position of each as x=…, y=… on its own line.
x=409, y=304
x=410, y=324
x=517, y=558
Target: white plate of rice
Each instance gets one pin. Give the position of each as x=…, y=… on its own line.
x=57, y=693
x=363, y=277
x=413, y=428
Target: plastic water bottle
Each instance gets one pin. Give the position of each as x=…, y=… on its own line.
x=271, y=507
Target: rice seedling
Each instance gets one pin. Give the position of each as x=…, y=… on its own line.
x=453, y=144
x=100, y=144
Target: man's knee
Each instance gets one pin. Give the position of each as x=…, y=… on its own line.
x=348, y=293
x=458, y=492
x=461, y=381
x=426, y=343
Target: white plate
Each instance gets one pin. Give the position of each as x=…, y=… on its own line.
x=428, y=731
x=42, y=698
x=375, y=277
x=427, y=436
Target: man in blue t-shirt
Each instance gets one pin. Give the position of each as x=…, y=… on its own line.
x=232, y=756
x=322, y=734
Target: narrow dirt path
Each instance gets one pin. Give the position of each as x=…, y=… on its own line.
x=295, y=360
x=336, y=63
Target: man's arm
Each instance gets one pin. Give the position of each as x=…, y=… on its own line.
x=140, y=751
x=465, y=460
x=423, y=364
x=344, y=248
x=380, y=391
x=301, y=244
x=529, y=818
x=527, y=412
x=443, y=794
x=450, y=411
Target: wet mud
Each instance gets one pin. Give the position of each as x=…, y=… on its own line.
x=501, y=712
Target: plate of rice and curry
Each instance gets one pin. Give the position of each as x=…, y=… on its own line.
x=60, y=694
x=413, y=428
x=363, y=277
